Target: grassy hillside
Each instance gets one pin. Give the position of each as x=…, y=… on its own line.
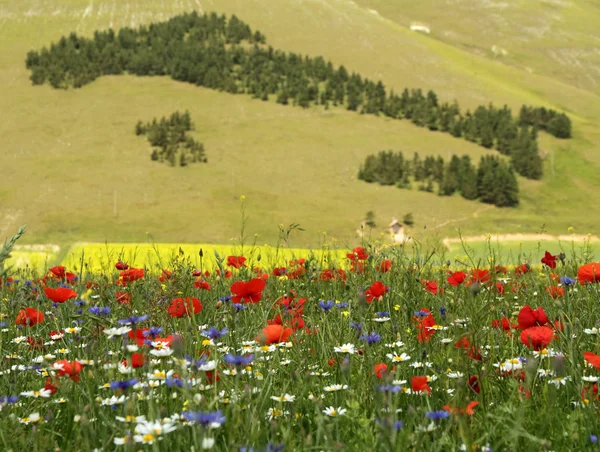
x=67, y=155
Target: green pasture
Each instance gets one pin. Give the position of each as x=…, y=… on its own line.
x=518, y=252
x=73, y=170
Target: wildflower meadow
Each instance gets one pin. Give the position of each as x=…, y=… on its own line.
x=390, y=350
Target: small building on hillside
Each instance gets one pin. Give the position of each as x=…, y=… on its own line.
x=396, y=229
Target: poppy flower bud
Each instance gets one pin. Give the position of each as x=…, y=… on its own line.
x=475, y=288
x=219, y=304
x=201, y=253
x=562, y=257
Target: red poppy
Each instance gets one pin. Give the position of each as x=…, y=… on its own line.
x=59, y=272
x=593, y=359
x=29, y=317
x=50, y=386
x=200, y=283
x=375, y=292
x=184, y=306
x=456, y=278
x=520, y=270
x=424, y=324
x=121, y=266
x=35, y=343
x=463, y=342
x=503, y=324
x=236, y=261
x=380, y=369
x=549, y=260
x=130, y=275
x=555, y=291
x=528, y=317
x=68, y=368
x=467, y=410
x=473, y=384
x=500, y=269
x=479, y=276
x=358, y=254
x=590, y=392
x=60, y=295
x=537, y=337
x=432, y=287
x=138, y=335
x=328, y=275
x=279, y=271
x=589, y=273
x=385, y=266
x=123, y=297
x=228, y=273
x=137, y=361
x=419, y=384
x=499, y=288
x=274, y=334
x=197, y=273
x=248, y=292
x=165, y=276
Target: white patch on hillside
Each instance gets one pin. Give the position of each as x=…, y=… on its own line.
x=420, y=27
x=374, y=12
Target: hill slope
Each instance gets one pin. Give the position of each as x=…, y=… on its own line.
x=68, y=154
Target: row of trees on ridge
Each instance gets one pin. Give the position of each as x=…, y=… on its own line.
x=493, y=181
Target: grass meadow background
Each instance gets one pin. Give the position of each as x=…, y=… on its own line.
x=67, y=155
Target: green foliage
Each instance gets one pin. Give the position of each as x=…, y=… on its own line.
x=7, y=248
x=553, y=122
x=493, y=182
x=169, y=140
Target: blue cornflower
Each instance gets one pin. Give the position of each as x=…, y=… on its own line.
x=153, y=331
x=437, y=415
x=443, y=312
x=594, y=439
x=196, y=363
x=382, y=314
x=398, y=425
x=390, y=388
x=2, y=324
x=99, y=310
x=79, y=303
x=356, y=326
x=211, y=419
x=421, y=313
x=371, y=338
x=5, y=400
x=342, y=305
x=214, y=333
x=133, y=319
x=238, y=360
x=274, y=447
x=239, y=306
x=567, y=281
x=326, y=305
x=174, y=381
x=123, y=385
x=227, y=298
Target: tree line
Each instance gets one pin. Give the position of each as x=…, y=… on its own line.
x=551, y=121
x=225, y=54
x=170, y=141
x=493, y=181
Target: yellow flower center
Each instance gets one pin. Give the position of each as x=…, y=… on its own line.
x=148, y=438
